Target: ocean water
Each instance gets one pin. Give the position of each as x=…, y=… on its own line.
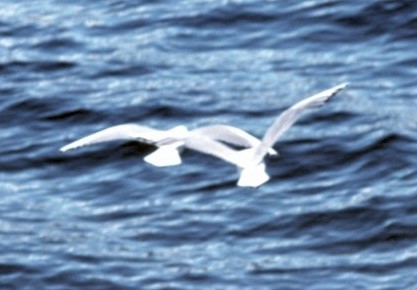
x=340, y=210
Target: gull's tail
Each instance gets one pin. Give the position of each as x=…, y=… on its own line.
x=164, y=156
x=253, y=176
x=168, y=152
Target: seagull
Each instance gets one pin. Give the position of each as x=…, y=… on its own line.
x=213, y=140
x=250, y=161
x=169, y=143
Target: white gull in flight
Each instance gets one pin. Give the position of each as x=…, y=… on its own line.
x=211, y=140
x=169, y=142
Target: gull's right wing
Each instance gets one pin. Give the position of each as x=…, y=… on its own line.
x=290, y=116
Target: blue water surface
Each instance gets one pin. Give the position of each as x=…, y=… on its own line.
x=340, y=210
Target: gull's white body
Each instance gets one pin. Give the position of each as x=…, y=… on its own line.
x=210, y=140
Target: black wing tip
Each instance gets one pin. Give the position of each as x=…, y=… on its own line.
x=342, y=86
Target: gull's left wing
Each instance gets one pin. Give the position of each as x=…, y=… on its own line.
x=120, y=132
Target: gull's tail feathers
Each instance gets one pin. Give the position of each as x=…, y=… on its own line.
x=253, y=176
x=164, y=156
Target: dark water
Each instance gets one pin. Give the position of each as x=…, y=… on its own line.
x=340, y=211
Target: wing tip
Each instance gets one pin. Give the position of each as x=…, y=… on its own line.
x=341, y=86
x=71, y=146
x=64, y=148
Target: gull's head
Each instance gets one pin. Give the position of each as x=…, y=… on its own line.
x=180, y=132
x=175, y=137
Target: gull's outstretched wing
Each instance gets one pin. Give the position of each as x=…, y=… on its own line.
x=212, y=147
x=250, y=175
x=231, y=135
x=120, y=132
x=290, y=116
